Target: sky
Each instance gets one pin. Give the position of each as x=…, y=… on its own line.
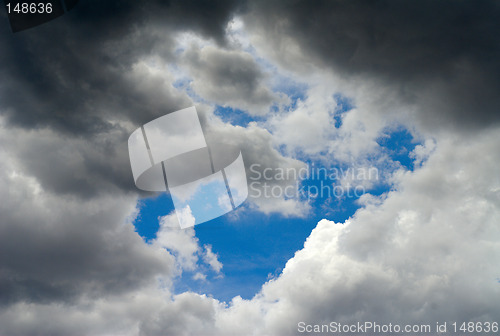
x=391, y=107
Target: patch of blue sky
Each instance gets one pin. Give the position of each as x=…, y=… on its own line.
x=334, y=189
x=184, y=84
x=294, y=90
x=397, y=142
x=344, y=104
x=206, y=198
x=253, y=246
x=235, y=116
x=150, y=210
x=256, y=246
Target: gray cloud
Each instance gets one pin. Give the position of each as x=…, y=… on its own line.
x=71, y=73
x=229, y=78
x=55, y=249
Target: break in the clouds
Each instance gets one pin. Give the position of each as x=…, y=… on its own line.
x=73, y=89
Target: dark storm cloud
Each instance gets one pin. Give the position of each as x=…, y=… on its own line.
x=441, y=55
x=70, y=73
x=78, y=76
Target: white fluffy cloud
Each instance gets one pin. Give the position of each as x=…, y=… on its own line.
x=181, y=242
x=185, y=246
x=211, y=258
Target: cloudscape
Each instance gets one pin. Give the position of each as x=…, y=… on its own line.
x=370, y=136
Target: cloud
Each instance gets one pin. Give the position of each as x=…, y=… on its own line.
x=184, y=245
x=199, y=276
x=444, y=64
x=229, y=78
x=211, y=258
x=89, y=79
x=181, y=242
x=82, y=83
x=312, y=127
x=81, y=108
x=57, y=248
